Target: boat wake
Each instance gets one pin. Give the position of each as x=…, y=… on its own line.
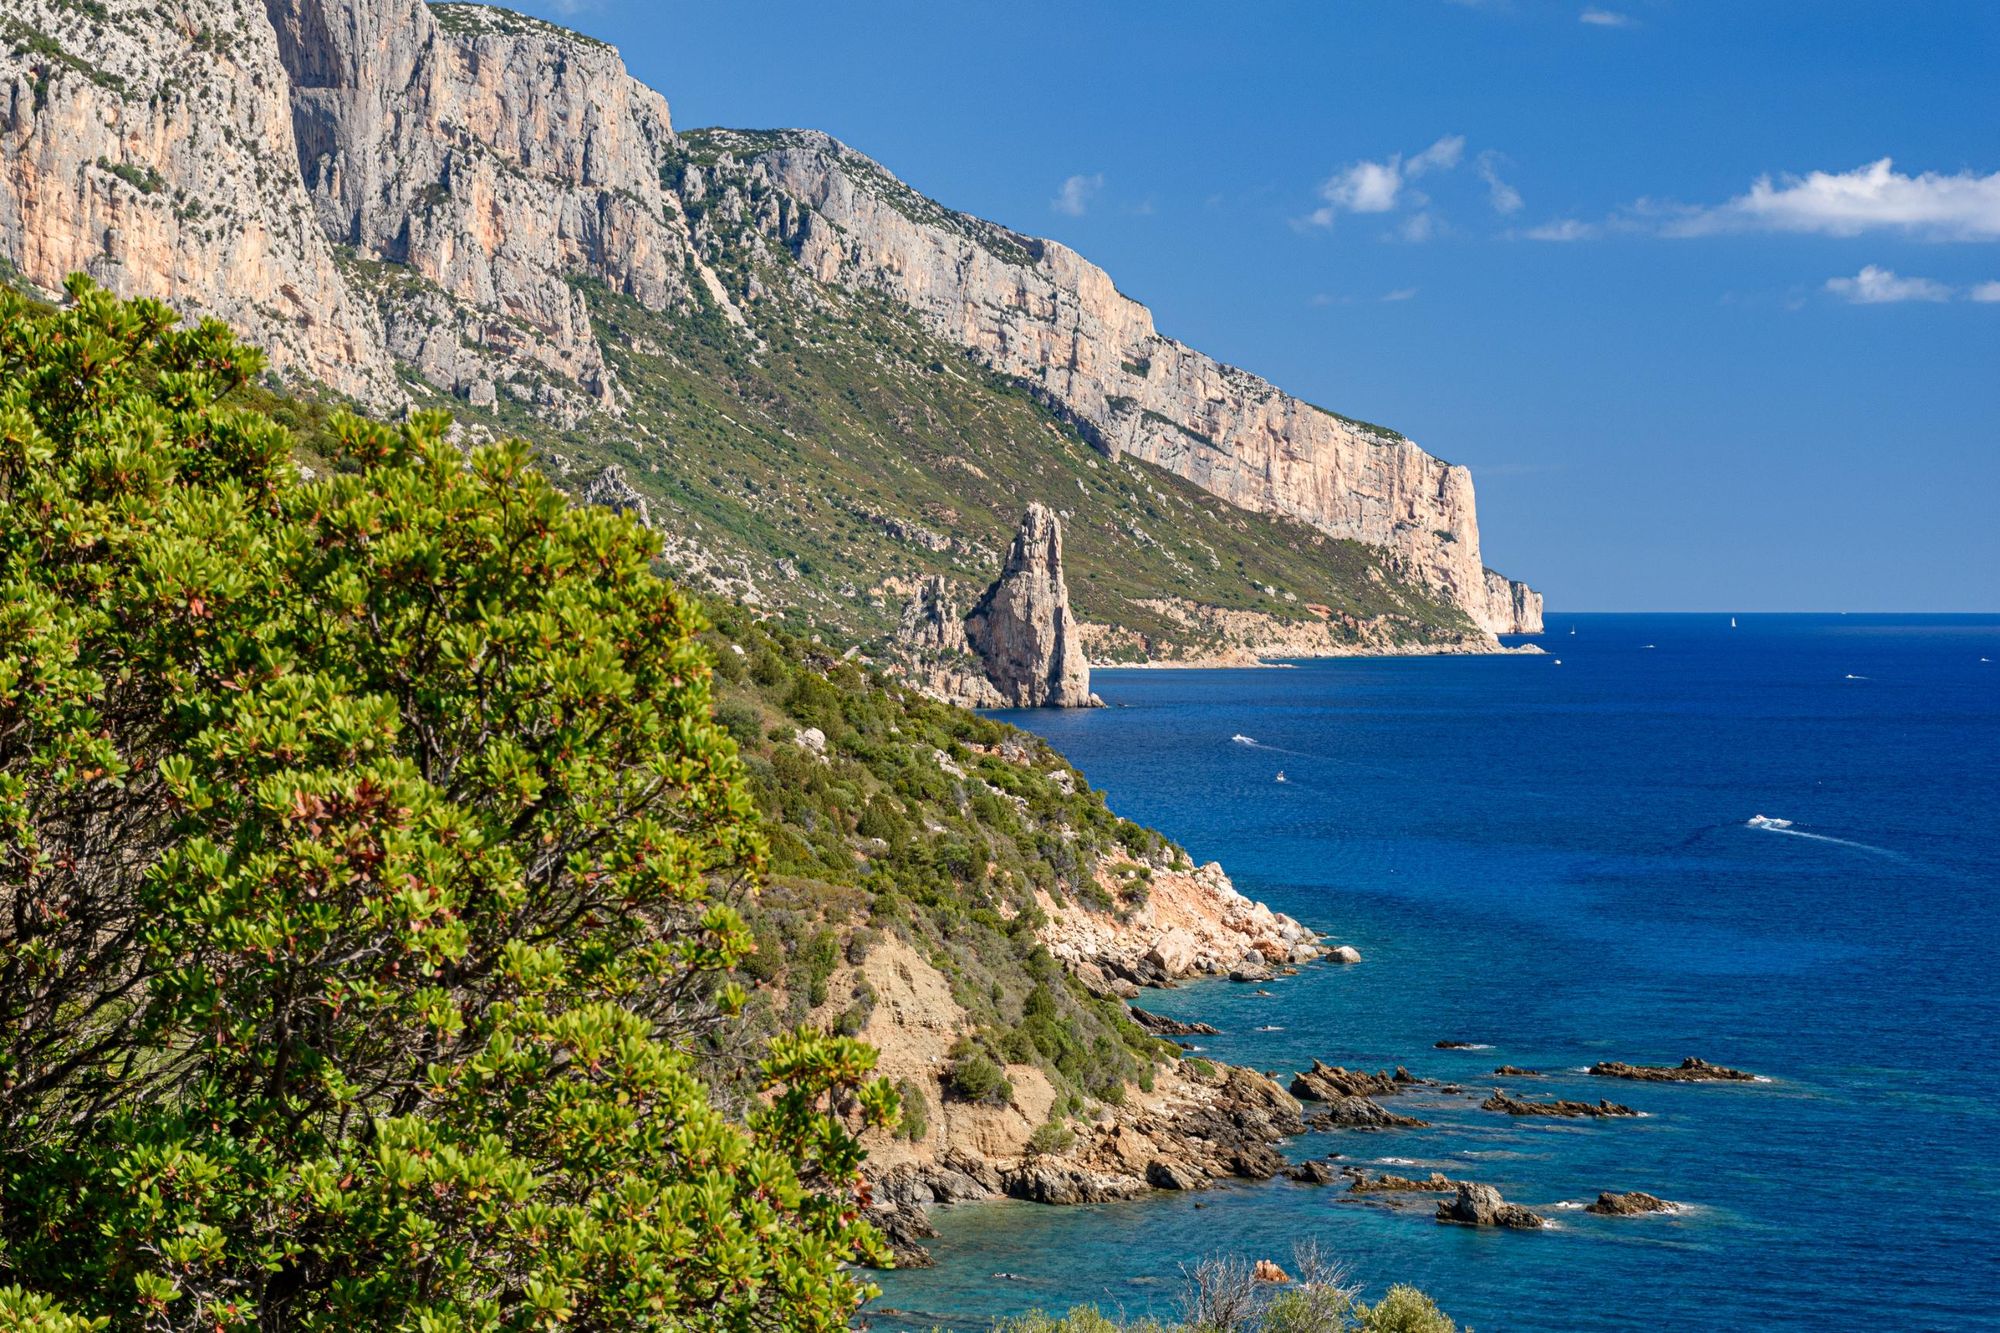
x=1770, y=824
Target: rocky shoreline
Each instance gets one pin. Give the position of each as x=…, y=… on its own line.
x=1206, y=1122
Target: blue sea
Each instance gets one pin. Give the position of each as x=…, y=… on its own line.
x=1550, y=856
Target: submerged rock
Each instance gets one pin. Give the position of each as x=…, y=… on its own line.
x=1435, y=1183
x=1500, y=1101
x=1694, y=1069
x=1481, y=1206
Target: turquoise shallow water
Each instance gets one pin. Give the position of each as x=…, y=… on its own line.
x=1554, y=860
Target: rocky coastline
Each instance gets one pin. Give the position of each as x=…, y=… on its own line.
x=1205, y=1122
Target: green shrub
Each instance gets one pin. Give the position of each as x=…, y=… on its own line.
x=384, y=812
x=974, y=1077
x=916, y=1122
x=1049, y=1138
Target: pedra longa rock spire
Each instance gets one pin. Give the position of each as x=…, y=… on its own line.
x=1023, y=628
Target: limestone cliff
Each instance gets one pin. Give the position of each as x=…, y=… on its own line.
x=155, y=154
x=410, y=202
x=356, y=184
x=489, y=157
x=1039, y=310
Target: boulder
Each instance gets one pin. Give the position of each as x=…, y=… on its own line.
x=1479, y=1205
x=1314, y=1171
x=1345, y=953
x=1631, y=1204
x=1162, y=1174
x=1174, y=953
x=1510, y=1071
x=1266, y=1271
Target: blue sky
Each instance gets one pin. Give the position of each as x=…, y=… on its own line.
x=1700, y=291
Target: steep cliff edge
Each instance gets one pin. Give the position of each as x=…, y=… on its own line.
x=1037, y=309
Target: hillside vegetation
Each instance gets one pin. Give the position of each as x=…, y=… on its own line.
x=821, y=458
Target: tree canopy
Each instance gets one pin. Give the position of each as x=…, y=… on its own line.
x=364, y=836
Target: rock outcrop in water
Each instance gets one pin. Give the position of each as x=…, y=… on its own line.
x=1635, y=1203
x=1564, y=1108
x=1481, y=1206
x=1023, y=629
x=1694, y=1069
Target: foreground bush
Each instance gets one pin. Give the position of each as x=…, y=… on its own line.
x=1226, y=1295
x=356, y=909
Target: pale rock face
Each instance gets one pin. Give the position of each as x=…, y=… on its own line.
x=1039, y=310
x=468, y=161
x=493, y=156
x=1514, y=607
x=940, y=661
x=157, y=157
x=1023, y=627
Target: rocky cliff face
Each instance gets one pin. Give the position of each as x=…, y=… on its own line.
x=355, y=183
x=490, y=158
x=1039, y=310
x=1023, y=628
x=156, y=155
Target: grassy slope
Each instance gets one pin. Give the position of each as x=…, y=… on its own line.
x=880, y=835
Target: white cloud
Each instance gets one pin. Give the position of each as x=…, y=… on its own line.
x=1418, y=228
x=1881, y=286
x=1365, y=187
x=1606, y=18
x=1563, y=229
x=1504, y=197
x=1876, y=197
x=1074, y=196
x=1441, y=156
x=1378, y=187
x=1405, y=293
x=1985, y=291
